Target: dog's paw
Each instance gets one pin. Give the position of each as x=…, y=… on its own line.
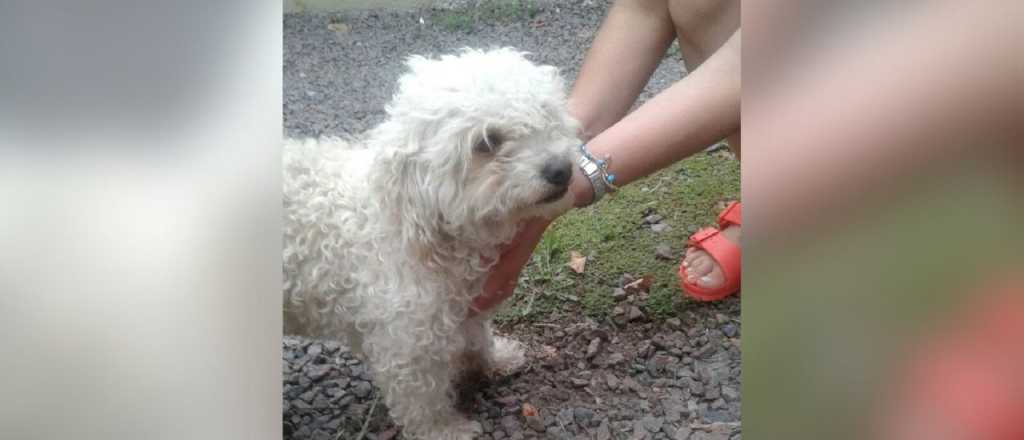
x=509, y=356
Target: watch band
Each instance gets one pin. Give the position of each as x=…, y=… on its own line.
x=593, y=172
x=597, y=171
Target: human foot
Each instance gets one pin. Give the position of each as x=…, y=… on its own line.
x=702, y=269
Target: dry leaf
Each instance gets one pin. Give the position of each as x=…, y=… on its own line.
x=529, y=410
x=577, y=261
x=340, y=28
x=640, y=285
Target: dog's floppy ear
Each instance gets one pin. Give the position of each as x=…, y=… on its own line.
x=423, y=188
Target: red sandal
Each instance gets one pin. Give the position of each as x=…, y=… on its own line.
x=723, y=251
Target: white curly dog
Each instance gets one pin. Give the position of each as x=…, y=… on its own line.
x=389, y=237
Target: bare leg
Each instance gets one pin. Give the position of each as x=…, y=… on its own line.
x=607, y=85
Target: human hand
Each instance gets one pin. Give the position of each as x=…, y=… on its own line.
x=501, y=282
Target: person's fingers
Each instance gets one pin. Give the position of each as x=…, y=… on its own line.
x=501, y=283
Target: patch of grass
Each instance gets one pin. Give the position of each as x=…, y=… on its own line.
x=456, y=21
x=686, y=194
x=464, y=20
x=510, y=10
x=673, y=50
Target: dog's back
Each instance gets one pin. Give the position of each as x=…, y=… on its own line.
x=324, y=181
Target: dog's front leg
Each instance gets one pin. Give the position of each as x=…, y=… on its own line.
x=485, y=353
x=414, y=377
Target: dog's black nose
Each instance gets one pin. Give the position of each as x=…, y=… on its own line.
x=557, y=172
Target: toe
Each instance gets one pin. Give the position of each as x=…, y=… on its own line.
x=691, y=253
x=699, y=267
x=713, y=279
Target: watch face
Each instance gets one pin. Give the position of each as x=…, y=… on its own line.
x=590, y=168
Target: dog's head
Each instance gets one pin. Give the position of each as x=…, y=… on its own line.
x=480, y=138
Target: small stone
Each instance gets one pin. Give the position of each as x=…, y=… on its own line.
x=713, y=393
x=343, y=401
x=729, y=330
x=719, y=431
x=510, y=424
x=718, y=403
x=653, y=424
x=579, y=383
x=339, y=383
x=683, y=433
x=661, y=227
x=618, y=310
x=653, y=219
x=507, y=401
x=615, y=359
x=717, y=416
x=669, y=430
x=731, y=394
x=603, y=433
x=583, y=416
x=559, y=394
x=659, y=365
x=613, y=382
x=673, y=410
x=630, y=384
x=362, y=389
x=674, y=323
x=639, y=430
x=314, y=350
x=619, y=294
x=664, y=252
x=595, y=345
x=536, y=423
x=565, y=417
x=704, y=351
x=696, y=388
x=333, y=425
x=715, y=337
x=634, y=314
x=308, y=396
x=318, y=372
x=321, y=402
x=660, y=342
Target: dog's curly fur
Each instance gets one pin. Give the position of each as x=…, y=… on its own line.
x=388, y=237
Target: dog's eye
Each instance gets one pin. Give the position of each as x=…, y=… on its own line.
x=489, y=143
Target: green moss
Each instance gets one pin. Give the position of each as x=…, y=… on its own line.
x=455, y=21
x=686, y=194
x=492, y=11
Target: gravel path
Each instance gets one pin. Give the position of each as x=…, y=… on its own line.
x=626, y=378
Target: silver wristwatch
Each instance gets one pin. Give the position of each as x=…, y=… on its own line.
x=597, y=171
x=593, y=172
